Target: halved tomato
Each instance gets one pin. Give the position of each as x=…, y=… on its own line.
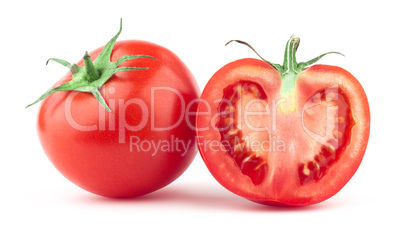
x=283, y=134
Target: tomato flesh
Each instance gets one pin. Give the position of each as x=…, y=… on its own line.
x=282, y=150
x=238, y=96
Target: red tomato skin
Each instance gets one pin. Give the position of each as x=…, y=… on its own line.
x=102, y=160
x=284, y=190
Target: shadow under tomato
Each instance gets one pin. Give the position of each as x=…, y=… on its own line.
x=206, y=197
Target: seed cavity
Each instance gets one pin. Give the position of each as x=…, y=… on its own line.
x=250, y=164
x=313, y=170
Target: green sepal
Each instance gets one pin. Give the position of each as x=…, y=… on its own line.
x=290, y=68
x=277, y=66
x=80, y=86
x=73, y=67
x=302, y=65
x=93, y=75
x=129, y=57
x=100, y=99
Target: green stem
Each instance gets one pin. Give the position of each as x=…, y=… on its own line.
x=289, y=61
x=290, y=67
x=93, y=74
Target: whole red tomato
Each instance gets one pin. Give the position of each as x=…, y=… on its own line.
x=283, y=134
x=117, y=132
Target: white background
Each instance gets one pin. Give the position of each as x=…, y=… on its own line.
x=36, y=198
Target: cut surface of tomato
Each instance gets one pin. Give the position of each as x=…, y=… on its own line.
x=283, y=143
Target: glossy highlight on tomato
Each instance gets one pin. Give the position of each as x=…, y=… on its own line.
x=289, y=135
